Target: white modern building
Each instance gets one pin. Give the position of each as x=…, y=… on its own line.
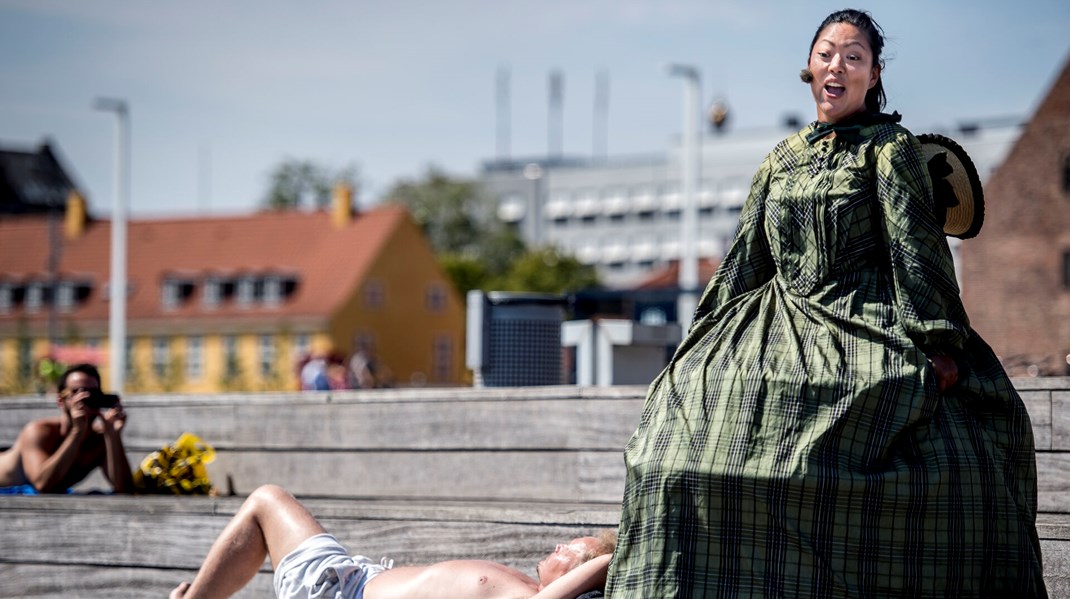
x=624, y=214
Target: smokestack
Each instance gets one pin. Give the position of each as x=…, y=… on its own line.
x=555, y=132
x=502, y=96
x=600, y=128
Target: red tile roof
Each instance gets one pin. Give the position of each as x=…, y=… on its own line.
x=328, y=262
x=669, y=276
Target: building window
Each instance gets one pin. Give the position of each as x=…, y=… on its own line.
x=302, y=345
x=25, y=360
x=246, y=292
x=230, y=355
x=169, y=295
x=435, y=298
x=128, y=351
x=267, y=355
x=442, y=358
x=511, y=208
x=65, y=296
x=194, y=357
x=213, y=293
x=35, y=296
x=7, y=297
x=374, y=295
x=272, y=291
x=1066, y=174
x=161, y=356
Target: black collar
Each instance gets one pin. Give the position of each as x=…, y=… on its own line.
x=849, y=129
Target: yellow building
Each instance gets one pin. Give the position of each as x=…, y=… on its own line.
x=230, y=303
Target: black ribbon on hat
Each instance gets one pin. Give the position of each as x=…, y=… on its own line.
x=944, y=196
x=850, y=129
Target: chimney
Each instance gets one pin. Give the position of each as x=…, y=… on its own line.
x=341, y=205
x=76, y=216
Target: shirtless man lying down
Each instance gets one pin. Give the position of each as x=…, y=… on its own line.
x=308, y=562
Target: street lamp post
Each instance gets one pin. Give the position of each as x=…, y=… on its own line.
x=117, y=296
x=534, y=172
x=689, y=174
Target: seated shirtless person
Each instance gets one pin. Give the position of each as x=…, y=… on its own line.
x=51, y=454
x=308, y=562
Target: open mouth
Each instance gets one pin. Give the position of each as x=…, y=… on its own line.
x=834, y=90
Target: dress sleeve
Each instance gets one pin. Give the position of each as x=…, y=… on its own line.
x=748, y=263
x=923, y=274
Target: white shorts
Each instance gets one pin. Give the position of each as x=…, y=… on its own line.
x=320, y=568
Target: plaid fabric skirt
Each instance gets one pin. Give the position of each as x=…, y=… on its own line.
x=788, y=451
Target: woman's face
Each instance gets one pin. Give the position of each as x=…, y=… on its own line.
x=842, y=64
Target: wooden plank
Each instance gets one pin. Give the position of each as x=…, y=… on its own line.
x=548, y=475
x=1038, y=404
x=1041, y=383
x=47, y=581
x=438, y=509
x=442, y=418
x=140, y=540
x=32, y=580
x=1053, y=482
x=376, y=421
x=571, y=423
x=164, y=539
x=1056, y=556
x=534, y=475
x=1060, y=420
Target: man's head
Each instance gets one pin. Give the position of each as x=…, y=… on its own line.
x=79, y=376
x=567, y=556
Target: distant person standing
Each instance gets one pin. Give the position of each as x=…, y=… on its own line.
x=53, y=454
x=363, y=369
x=314, y=374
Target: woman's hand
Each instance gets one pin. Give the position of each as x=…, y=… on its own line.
x=946, y=371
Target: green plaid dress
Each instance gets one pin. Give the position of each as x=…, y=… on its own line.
x=796, y=445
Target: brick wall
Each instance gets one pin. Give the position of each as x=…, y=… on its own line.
x=1014, y=273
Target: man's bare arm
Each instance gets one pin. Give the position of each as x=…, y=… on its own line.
x=45, y=469
x=116, y=467
x=588, y=576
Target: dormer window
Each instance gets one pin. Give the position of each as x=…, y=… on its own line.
x=7, y=298
x=173, y=292
x=35, y=296
x=246, y=292
x=272, y=291
x=65, y=296
x=212, y=295
x=169, y=295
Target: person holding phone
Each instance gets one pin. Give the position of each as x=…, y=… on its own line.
x=52, y=454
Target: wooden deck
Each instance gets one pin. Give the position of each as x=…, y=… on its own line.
x=417, y=475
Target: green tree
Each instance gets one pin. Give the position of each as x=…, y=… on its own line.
x=299, y=184
x=450, y=210
x=477, y=250
x=547, y=270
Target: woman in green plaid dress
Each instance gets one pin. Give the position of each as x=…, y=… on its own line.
x=831, y=426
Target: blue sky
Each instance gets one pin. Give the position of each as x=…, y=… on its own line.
x=220, y=92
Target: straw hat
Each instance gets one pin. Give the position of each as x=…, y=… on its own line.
x=959, y=198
